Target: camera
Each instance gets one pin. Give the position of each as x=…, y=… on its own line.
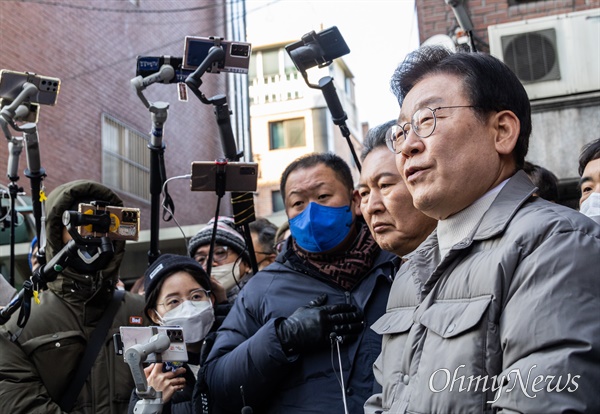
x=237, y=54
x=149, y=65
x=98, y=219
x=134, y=335
x=11, y=85
x=317, y=49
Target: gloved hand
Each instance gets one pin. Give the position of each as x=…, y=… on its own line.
x=309, y=327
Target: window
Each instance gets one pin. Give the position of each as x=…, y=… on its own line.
x=270, y=60
x=288, y=64
x=277, y=201
x=287, y=134
x=252, y=67
x=349, y=87
x=125, y=159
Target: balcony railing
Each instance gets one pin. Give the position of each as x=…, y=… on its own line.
x=277, y=88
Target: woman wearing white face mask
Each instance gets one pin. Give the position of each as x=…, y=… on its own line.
x=230, y=266
x=178, y=292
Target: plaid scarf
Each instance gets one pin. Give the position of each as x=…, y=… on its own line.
x=344, y=268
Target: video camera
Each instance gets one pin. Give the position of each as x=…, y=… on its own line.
x=237, y=54
x=98, y=219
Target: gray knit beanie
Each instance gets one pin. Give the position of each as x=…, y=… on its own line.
x=227, y=235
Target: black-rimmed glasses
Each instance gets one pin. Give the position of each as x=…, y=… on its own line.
x=423, y=124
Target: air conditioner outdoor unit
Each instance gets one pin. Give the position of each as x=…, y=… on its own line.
x=552, y=56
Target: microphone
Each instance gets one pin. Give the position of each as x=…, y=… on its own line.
x=15, y=147
x=461, y=14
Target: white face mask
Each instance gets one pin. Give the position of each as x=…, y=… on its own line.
x=225, y=274
x=195, y=318
x=591, y=205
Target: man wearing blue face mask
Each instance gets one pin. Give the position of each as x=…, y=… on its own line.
x=297, y=340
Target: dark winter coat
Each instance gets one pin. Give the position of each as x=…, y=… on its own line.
x=248, y=354
x=36, y=370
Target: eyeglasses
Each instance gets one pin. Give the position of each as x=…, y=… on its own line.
x=198, y=295
x=423, y=123
x=220, y=254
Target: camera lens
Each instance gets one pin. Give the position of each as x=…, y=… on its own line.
x=239, y=50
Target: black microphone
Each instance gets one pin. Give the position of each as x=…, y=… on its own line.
x=15, y=147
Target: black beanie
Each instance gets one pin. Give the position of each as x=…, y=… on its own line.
x=227, y=235
x=166, y=264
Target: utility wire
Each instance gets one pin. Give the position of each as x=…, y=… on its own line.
x=109, y=10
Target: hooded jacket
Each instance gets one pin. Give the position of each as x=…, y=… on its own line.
x=36, y=369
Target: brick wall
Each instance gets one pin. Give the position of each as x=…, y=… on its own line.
x=92, y=48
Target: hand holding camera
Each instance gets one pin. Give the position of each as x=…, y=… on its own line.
x=310, y=327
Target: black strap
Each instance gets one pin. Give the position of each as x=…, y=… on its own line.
x=91, y=352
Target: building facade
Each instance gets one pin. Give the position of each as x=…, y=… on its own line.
x=290, y=119
x=99, y=128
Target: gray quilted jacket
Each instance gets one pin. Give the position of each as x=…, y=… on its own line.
x=508, y=322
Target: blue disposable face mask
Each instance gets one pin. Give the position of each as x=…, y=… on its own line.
x=320, y=228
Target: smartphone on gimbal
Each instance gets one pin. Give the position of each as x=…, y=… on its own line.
x=11, y=84
x=237, y=54
x=140, y=335
x=239, y=176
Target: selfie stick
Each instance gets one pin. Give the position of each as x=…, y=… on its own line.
x=242, y=203
x=15, y=147
x=8, y=115
x=48, y=272
x=159, y=112
x=151, y=402
x=338, y=115
x=35, y=173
